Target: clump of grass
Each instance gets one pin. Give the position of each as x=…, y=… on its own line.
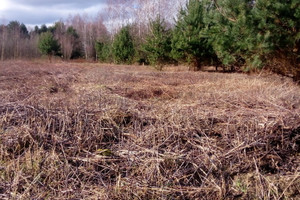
x=127, y=132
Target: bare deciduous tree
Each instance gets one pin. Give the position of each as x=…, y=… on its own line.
x=3, y=29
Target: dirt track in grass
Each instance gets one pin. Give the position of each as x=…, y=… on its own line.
x=92, y=131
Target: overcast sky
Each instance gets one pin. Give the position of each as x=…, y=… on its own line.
x=37, y=12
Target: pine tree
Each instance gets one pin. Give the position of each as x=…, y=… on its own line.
x=246, y=33
x=280, y=20
x=73, y=38
x=43, y=29
x=230, y=31
x=189, y=43
x=158, y=43
x=103, y=51
x=123, y=48
x=48, y=45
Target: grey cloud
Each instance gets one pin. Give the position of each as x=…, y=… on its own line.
x=48, y=11
x=53, y=3
x=37, y=17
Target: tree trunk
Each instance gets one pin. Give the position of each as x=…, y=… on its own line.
x=50, y=58
x=3, y=44
x=197, y=64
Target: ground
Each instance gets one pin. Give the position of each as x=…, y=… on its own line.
x=95, y=131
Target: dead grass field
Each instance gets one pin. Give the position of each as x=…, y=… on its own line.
x=91, y=131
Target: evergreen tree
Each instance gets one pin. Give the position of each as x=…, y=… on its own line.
x=48, y=45
x=247, y=33
x=103, y=51
x=24, y=31
x=189, y=41
x=74, y=38
x=280, y=20
x=231, y=31
x=36, y=30
x=123, y=48
x=43, y=29
x=158, y=43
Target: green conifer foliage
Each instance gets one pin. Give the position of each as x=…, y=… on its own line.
x=247, y=32
x=230, y=31
x=189, y=42
x=158, y=43
x=123, y=48
x=103, y=51
x=280, y=21
x=48, y=45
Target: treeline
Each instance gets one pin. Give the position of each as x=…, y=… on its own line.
x=232, y=34
x=76, y=38
x=17, y=42
x=78, y=35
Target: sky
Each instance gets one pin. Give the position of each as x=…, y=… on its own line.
x=38, y=12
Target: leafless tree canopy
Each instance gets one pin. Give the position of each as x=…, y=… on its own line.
x=14, y=44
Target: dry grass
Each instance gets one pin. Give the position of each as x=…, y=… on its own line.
x=89, y=131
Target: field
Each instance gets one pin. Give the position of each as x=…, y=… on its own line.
x=92, y=131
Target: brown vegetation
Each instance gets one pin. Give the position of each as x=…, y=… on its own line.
x=91, y=131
